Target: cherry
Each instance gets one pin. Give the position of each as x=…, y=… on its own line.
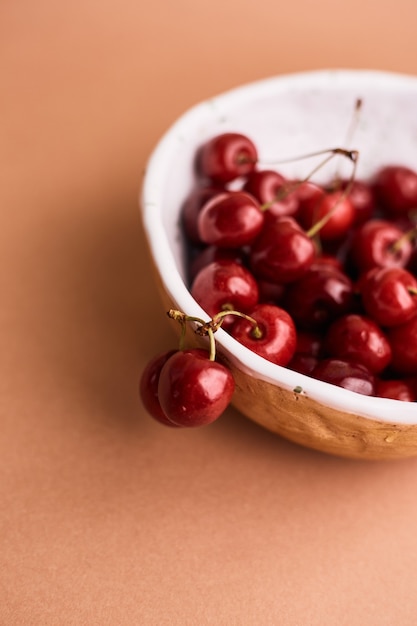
x=191, y=210
x=379, y=243
x=274, y=337
x=358, y=339
x=403, y=340
x=351, y=376
x=282, y=252
x=335, y=205
x=194, y=390
x=226, y=157
x=307, y=352
x=389, y=295
x=230, y=220
x=319, y=297
x=396, y=390
x=225, y=285
x=307, y=193
x=396, y=189
x=303, y=363
x=272, y=190
x=148, y=387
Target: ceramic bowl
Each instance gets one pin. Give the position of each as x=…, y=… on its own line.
x=285, y=116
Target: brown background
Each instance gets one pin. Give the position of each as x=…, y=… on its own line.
x=106, y=518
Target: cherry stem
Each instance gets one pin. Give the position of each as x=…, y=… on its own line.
x=412, y=290
x=351, y=131
x=353, y=155
x=407, y=236
x=309, y=155
x=210, y=327
x=288, y=189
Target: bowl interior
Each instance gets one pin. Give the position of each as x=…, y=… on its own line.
x=286, y=116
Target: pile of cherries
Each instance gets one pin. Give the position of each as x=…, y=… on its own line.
x=321, y=279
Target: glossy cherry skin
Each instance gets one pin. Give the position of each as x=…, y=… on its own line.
x=334, y=204
x=319, y=297
x=282, y=252
x=357, y=339
x=222, y=285
x=192, y=390
x=396, y=390
x=389, y=295
x=191, y=210
x=308, y=352
x=375, y=244
x=230, y=220
x=396, y=189
x=226, y=157
x=148, y=387
x=272, y=191
x=278, y=340
x=403, y=340
x=351, y=376
x=303, y=363
x=307, y=193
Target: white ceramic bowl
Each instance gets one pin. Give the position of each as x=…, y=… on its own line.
x=285, y=116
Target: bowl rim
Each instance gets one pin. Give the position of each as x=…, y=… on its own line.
x=150, y=200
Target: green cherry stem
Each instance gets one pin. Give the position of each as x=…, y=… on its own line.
x=210, y=327
x=290, y=188
x=217, y=320
x=407, y=236
x=353, y=155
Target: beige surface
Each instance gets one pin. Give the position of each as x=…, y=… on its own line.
x=107, y=518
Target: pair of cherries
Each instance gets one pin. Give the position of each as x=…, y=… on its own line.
x=328, y=273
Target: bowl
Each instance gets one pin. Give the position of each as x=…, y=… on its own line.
x=288, y=115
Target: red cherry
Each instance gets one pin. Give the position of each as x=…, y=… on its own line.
x=307, y=193
x=333, y=204
x=303, y=363
x=396, y=390
x=272, y=189
x=379, y=243
x=230, y=220
x=191, y=210
x=226, y=157
x=403, y=340
x=148, y=387
x=307, y=352
x=389, y=295
x=358, y=339
x=225, y=285
x=351, y=376
x=396, y=189
x=278, y=335
x=319, y=297
x=192, y=390
x=282, y=252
